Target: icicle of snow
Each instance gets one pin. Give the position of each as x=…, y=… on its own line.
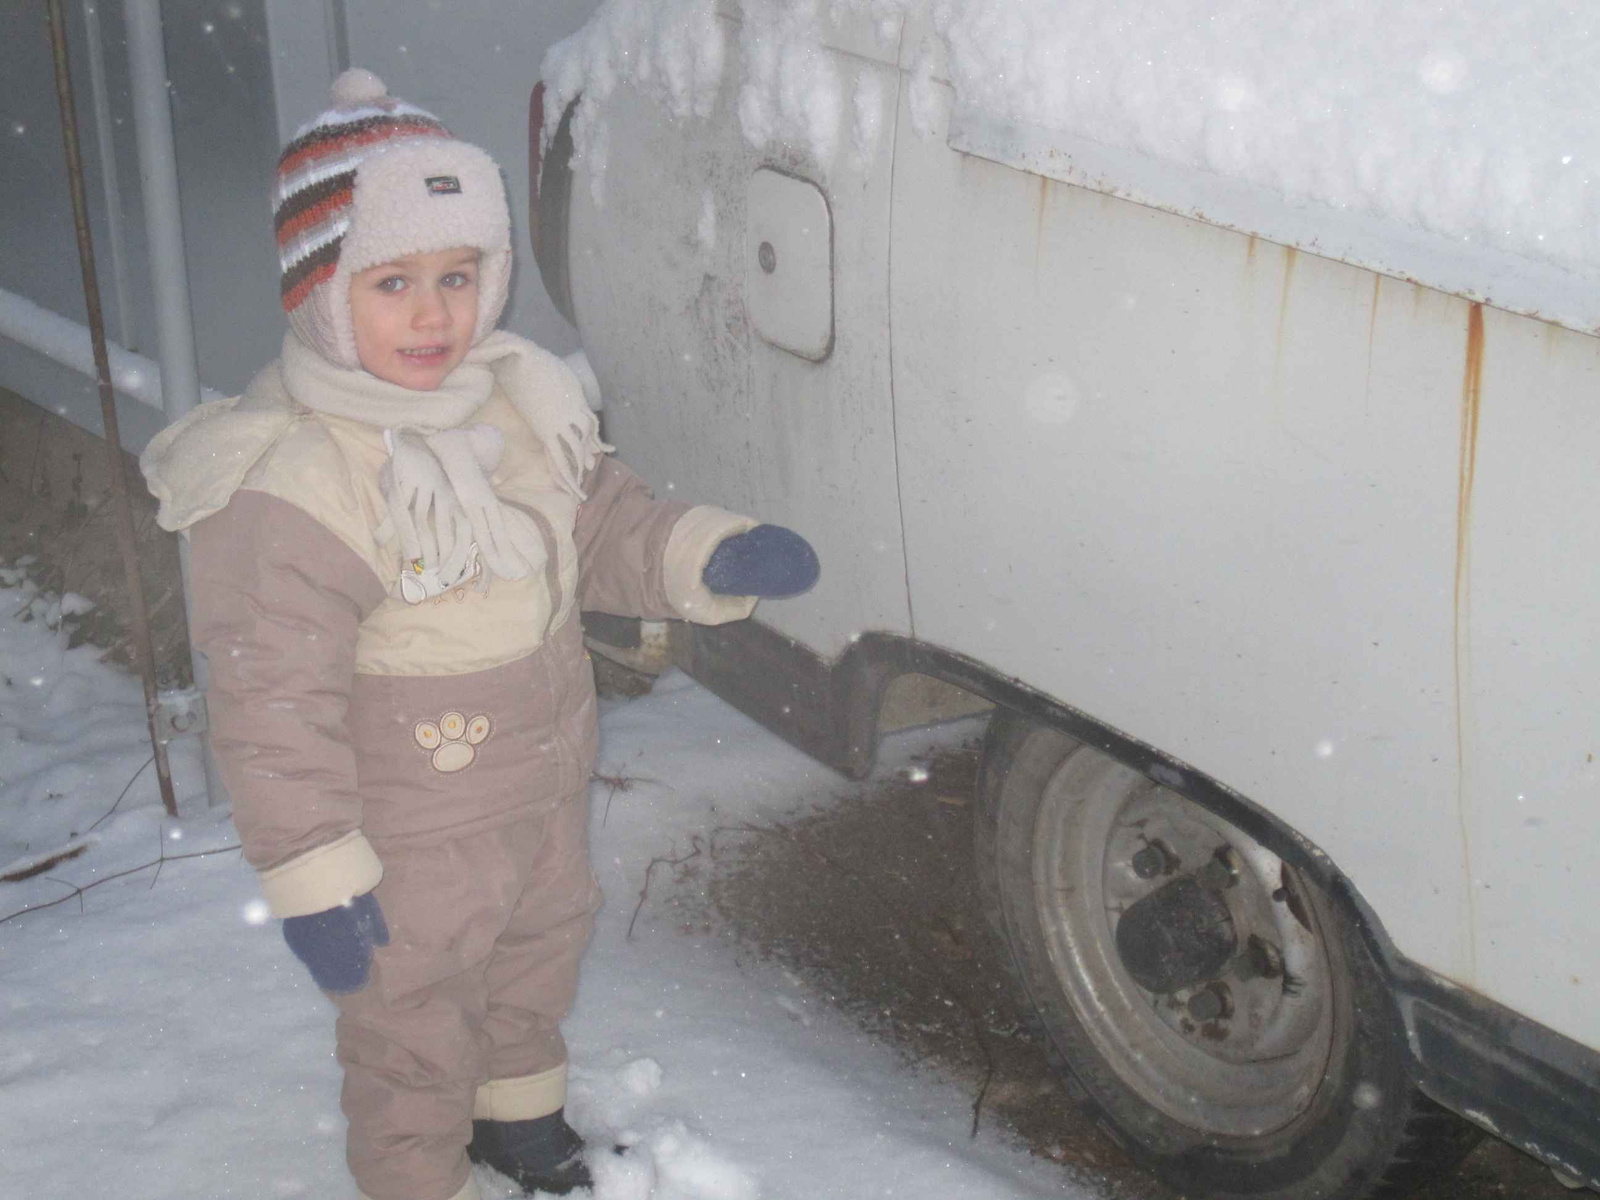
x=791, y=88
x=670, y=50
x=867, y=106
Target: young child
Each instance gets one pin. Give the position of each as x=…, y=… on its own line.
x=392, y=533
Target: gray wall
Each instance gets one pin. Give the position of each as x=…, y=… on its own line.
x=243, y=74
x=224, y=125
x=39, y=259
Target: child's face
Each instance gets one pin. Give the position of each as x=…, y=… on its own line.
x=414, y=317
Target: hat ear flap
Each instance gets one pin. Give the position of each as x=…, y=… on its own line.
x=322, y=321
x=494, y=288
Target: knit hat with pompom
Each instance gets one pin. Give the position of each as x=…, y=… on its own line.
x=371, y=180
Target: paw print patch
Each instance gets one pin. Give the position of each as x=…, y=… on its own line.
x=454, y=740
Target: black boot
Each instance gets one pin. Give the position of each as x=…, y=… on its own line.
x=542, y=1155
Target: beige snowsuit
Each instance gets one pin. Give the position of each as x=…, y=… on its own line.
x=437, y=751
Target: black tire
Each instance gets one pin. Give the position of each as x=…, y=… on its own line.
x=1351, y=1127
x=999, y=744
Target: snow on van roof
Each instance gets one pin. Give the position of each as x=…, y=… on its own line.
x=1454, y=144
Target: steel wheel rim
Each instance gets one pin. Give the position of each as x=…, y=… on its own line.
x=1265, y=1069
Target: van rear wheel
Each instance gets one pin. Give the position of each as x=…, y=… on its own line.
x=1220, y=1010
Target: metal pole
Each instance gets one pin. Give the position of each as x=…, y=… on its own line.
x=109, y=183
x=68, y=342
x=108, y=405
x=169, y=272
x=158, y=181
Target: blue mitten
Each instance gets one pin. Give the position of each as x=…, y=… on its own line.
x=768, y=560
x=336, y=944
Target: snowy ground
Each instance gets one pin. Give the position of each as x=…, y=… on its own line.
x=161, y=1042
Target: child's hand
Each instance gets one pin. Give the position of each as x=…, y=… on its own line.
x=768, y=560
x=336, y=944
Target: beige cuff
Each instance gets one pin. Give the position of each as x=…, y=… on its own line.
x=323, y=878
x=469, y=1190
x=523, y=1098
x=697, y=533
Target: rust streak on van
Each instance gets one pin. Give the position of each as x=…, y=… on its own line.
x=1038, y=232
x=1467, y=467
x=1372, y=335
x=1471, y=401
x=1289, y=256
x=1552, y=338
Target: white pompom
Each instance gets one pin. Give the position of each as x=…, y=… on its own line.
x=357, y=86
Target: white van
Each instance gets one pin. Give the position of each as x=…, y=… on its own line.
x=1281, y=573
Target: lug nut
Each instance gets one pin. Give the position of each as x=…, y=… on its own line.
x=1221, y=873
x=1149, y=862
x=1211, y=1003
x=1156, y=858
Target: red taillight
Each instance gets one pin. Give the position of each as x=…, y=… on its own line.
x=550, y=200
x=535, y=143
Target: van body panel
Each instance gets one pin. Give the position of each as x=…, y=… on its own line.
x=1529, y=658
x=1245, y=504
x=1175, y=507
x=706, y=409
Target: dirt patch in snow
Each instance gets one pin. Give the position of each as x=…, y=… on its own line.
x=59, y=531
x=870, y=899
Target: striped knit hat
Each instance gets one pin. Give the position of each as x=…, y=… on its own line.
x=371, y=180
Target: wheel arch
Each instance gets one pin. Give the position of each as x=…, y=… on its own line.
x=832, y=710
x=875, y=660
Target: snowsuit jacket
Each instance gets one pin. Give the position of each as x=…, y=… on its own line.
x=343, y=715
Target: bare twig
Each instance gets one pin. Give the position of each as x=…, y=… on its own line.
x=66, y=884
x=654, y=863
x=40, y=866
x=161, y=859
x=77, y=891
x=988, y=1065
x=123, y=793
x=617, y=783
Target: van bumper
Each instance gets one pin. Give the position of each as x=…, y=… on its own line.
x=1523, y=1083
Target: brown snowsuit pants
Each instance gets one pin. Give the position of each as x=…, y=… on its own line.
x=461, y=1015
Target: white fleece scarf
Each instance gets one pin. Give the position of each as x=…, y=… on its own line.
x=435, y=484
